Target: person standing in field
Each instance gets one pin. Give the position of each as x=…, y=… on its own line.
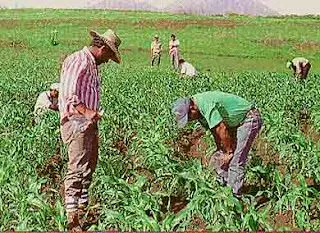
x=79, y=102
x=186, y=69
x=174, y=51
x=234, y=123
x=47, y=100
x=156, y=49
x=300, y=67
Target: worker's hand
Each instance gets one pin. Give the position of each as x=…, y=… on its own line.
x=54, y=107
x=91, y=115
x=225, y=159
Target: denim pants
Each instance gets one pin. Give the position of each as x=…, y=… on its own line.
x=233, y=174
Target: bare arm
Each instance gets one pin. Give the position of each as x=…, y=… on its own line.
x=54, y=107
x=88, y=113
x=223, y=137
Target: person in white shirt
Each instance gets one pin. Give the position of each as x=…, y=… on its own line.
x=186, y=69
x=174, y=51
x=47, y=100
x=156, y=49
x=300, y=67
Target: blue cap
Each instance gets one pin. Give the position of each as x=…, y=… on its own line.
x=180, y=110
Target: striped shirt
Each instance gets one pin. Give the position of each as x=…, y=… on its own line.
x=80, y=83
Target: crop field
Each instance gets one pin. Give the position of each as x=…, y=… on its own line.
x=152, y=176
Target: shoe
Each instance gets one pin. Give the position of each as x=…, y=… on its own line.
x=73, y=221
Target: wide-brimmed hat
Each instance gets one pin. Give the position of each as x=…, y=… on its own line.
x=112, y=40
x=181, y=110
x=55, y=86
x=156, y=36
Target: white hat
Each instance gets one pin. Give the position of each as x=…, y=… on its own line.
x=55, y=86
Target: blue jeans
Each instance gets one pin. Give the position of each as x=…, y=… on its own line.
x=233, y=174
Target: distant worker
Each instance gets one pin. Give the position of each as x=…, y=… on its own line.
x=174, y=51
x=47, y=100
x=300, y=66
x=186, y=69
x=234, y=123
x=156, y=49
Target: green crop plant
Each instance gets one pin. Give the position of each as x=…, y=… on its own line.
x=140, y=176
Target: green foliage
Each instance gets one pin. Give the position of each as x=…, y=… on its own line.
x=134, y=189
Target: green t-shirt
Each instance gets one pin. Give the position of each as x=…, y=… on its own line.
x=216, y=106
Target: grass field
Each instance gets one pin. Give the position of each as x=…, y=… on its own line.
x=150, y=176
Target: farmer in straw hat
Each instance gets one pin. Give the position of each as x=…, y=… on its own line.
x=156, y=49
x=234, y=123
x=300, y=67
x=79, y=102
x=174, y=51
x=47, y=100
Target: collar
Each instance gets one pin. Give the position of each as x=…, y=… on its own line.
x=89, y=54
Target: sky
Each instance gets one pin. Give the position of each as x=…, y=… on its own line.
x=282, y=6
x=300, y=7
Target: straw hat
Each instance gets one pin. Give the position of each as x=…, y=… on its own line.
x=112, y=40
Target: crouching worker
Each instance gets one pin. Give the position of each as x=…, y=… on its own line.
x=47, y=100
x=234, y=123
x=300, y=67
x=186, y=69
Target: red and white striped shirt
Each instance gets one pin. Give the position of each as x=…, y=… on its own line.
x=79, y=83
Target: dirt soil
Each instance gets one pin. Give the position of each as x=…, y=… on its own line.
x=308, y=45
x=141, y=171
x=177, y=203
x=122, y=144
x=272, y=42
x=89, y=218
x=181, y=24
x=266, y=151
x=17, y=44
x=161, y=23
x=191, y=144
x=51, y=170
x=198, y=224
x=284, y=220
x=309, y=132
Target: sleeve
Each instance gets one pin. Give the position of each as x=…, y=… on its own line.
x=213, y=118
x=212, y=115
x=183, y=69
x=74, y=76
x=42, y=103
